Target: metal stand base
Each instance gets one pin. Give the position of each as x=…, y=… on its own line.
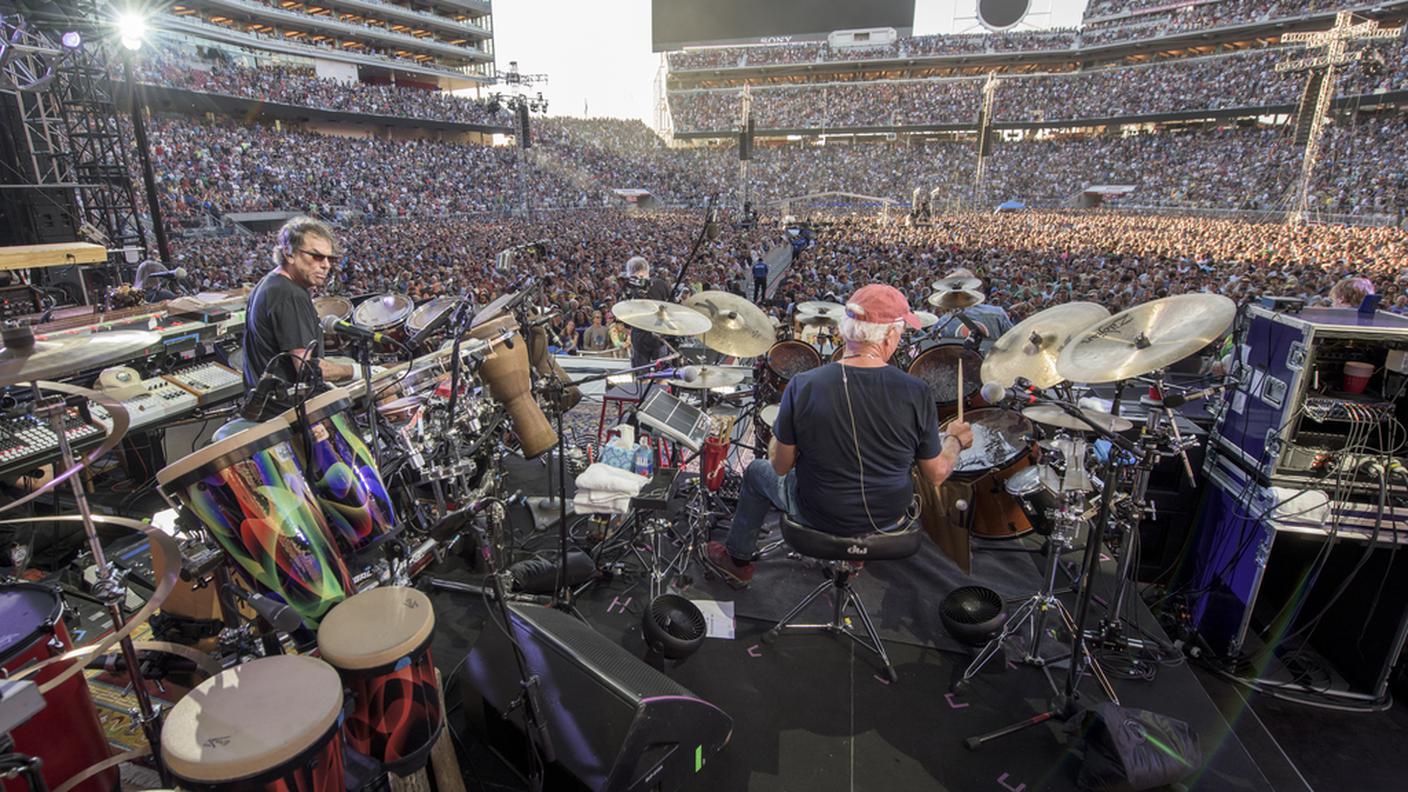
x=844, y=597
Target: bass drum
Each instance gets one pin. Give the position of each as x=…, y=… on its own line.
x=1004, y=443
x=784, y=360
x=938, y=366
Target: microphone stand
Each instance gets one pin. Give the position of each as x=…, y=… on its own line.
x=694, y=251
x=364, y=359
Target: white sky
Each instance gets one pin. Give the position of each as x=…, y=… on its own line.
x=599, y=53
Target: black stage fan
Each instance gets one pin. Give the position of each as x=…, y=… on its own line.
x=673, y=627
x=973, y=614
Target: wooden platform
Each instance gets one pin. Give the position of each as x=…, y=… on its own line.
x=18, y=257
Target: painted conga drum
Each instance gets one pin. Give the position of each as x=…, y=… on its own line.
x=342, y=472
x=250, y=494
x=272, y=724
x=379, y=642
x=65, y=734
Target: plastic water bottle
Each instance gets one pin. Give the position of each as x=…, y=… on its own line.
x=642, y=467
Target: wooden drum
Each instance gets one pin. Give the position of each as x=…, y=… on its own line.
x=379, y=642
x=505, y=371
x=269, y=724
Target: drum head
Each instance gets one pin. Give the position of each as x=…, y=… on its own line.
x=1024, y=482
x=27, y=613
x=428, y=312
x=1000, y=437
x=768, y=415
x=938, y=367
x=379, y=313
x=252, y=718
x=403, y=620
x=787, y=359
x=241, y=445
x=341, y=307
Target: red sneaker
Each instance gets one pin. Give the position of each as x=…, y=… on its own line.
x=736, y=573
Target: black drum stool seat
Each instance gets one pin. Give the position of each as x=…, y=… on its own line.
x=843, y=556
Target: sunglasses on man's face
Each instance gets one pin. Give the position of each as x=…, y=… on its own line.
x=316, y=256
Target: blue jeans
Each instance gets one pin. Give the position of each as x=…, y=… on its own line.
x=762, y=490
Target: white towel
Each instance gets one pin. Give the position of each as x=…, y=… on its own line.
x=603, y=477
x=588, y=503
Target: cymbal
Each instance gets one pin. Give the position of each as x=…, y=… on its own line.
x=957, y=283
x=926, y=319
x=1030, y=349
x=22, y=362
x=741, y=329
x=712, y=377
x=1145, y=338
x=657, y=316
x=1052, y=415
x=814, y=311
x=957, y=299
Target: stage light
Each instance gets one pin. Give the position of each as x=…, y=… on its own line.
x=71, y=40
x=132, y=29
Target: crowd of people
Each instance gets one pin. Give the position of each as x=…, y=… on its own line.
x=819, y=106
x=287, y=84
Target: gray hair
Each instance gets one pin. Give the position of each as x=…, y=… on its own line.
x=294, y=232
x=1350, y=292
x=637, y=267
x=857, y=331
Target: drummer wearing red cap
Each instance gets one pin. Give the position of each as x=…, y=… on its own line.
x=845, y=439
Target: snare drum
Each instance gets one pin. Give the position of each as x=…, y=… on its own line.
x=1003, y=444
x=395, y=715
x=269, y=724
x=505, y=371
x=343, y=473
x=1035, y=496
x=384, y=313
x=250, y=493
x=65, y=734
x=938, y=366
x=427, y=313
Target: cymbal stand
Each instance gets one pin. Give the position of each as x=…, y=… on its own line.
x=109, y=586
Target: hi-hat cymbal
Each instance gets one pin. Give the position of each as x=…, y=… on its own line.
x=956, y=300
x=23, y=359
x=656, y=316
x=1030, y=349
x=958, y=283
x=712, y=377
x=926, y=319
x=815, y=311
x=1052, y=415
x=740, y=328
x=1145, y=338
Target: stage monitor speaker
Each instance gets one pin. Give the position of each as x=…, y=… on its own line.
x=615, y=723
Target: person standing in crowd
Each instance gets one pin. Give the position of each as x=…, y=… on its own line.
x=646, y=347
x=760, y=280
x=596, y=338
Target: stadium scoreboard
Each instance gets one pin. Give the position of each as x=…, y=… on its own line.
x=679, y=23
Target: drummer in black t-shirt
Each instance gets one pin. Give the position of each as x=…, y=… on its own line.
x=845, y=439
x=280, y=317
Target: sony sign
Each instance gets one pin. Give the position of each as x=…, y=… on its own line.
x=775, y=39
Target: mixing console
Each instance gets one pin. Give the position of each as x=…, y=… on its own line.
x=27, y=442
x=210, y=382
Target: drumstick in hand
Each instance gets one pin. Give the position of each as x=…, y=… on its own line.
x=960, y=391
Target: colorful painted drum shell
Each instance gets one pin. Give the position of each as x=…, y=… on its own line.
x=32, y=630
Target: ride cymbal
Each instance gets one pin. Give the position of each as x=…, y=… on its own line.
x=24, y=359
x=1145, y=338
x=1052, y=415
x=958, y=283
x=819, y=311
x=1030, y=349
x=740, y=329
x=956, y=300
x=712, y=377
x=663, y=318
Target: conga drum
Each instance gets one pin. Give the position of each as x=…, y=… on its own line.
x=249, y=493
x=270, y=724
x=330, y=305
x=938, y=367
x=1004, y=443
x=505, y=371
x=379, y=642
x=65, y=734
x=343, y=472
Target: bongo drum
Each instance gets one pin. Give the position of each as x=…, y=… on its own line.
x=66, y=733
x=505, y=371
x=269, y=724
x=343, y=472
x=249, y=493
x=379, y=642
x=1004, y=443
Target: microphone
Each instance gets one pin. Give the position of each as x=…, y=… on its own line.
x=279, y=615
x=331, y=324
x=993, y=392
x=178, y=274
x=151, y=270
x=1176, y=400
x=685, y=373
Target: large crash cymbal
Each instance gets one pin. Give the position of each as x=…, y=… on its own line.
x=656, y=316
x=819, y=312
x=1145, y=338
x=956, y=299
x=1030, y=349
x=958, y=283
x=741, y=329
x=712, y=377
x=1052, y=415
x=23, y=359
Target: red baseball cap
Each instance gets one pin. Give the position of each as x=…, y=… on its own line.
x=880, y=304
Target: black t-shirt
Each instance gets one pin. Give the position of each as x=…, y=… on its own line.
x=279, y=317
x=896, y=423
x=645, y=346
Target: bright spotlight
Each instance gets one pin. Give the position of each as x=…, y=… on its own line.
x=132, y=29
x=72, y=39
